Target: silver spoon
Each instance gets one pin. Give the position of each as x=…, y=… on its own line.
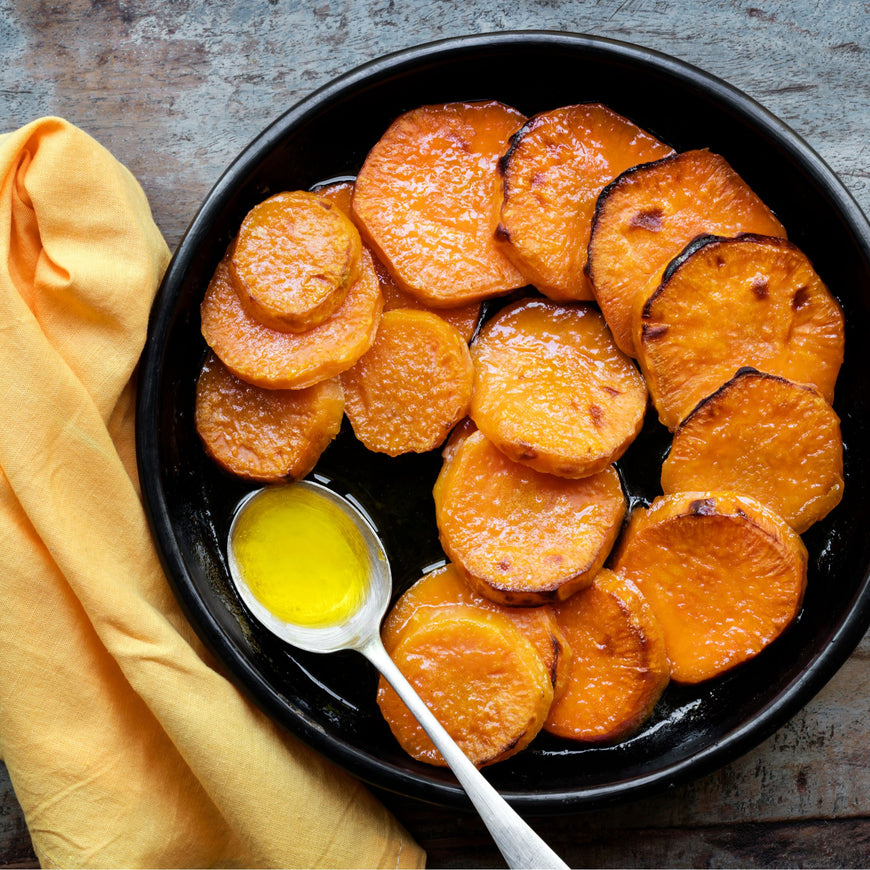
x=518, y=843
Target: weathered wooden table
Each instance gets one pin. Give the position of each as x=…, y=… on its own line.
x=176, y=88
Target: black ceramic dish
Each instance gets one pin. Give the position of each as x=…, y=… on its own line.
x=329, y=700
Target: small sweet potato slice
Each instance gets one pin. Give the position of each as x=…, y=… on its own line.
x=650, y=212
x=426, y=200
x=481, y=678
x=273, y=359
x=552, y=391
x=763, y=436
x=725, y=303
x=265, y=435
x=619, y=666
x=446, y=586
x=553, y=172
x=414, y=384
x=723, y=574
x=293, y=260
x=521, y=536
x=464, y=317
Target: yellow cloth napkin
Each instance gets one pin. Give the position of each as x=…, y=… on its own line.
x=125, y=745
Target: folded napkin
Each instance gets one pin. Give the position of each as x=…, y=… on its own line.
x=125, y=744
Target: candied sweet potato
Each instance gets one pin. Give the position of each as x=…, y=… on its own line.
x=553, y=172
x=414, y=384
x=552, y=391
x=481, y=678
x=426, y=200
x=293, y=260
x=265, y=435
x=650, y=212
x=464, y=317
x=723, y=574
x=273, y=359
x=619, y=665
x=521, y=536
x=725, y=303
x=446, y=587
x=763, y=436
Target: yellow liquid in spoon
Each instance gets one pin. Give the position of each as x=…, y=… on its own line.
x=301, y=556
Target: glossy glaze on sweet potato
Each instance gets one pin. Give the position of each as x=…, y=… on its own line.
x=723, y=574
x=552, y=391
x=556, y=167
x=427, y=197
x=619, y=665
x=725, y=303
x=521, y=536
x=763, y=436
x=647, y=215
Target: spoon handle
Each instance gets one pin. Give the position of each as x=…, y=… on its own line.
x=518, y=843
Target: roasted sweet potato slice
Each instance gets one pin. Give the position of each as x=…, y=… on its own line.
x=520, y=536
x=293, y=260
x=725, y=303
x=723, y=574
x=619, y=666
x=553, y=172
x=446, y=587
x=464, y=317
x=414, y=384
x=481, y=678
x=763, y=436
x=426, y=200
x=649, y=213
x=273, y=359
x=265, y=435
x=552, y=391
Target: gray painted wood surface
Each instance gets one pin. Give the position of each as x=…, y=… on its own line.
x=176, y=89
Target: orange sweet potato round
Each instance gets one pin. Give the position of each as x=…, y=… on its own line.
x=723, y=574
x=556, y=166
x=264, y=435
x=766, y=437
x=414, y=384
x=619, y=666
x=520, y=536
x=273, y=359
x=426, y=200
x=650, y=212
x=446, y=587
x=725, y=303
x=552, y=391
x=293, y=260
x=481, y=678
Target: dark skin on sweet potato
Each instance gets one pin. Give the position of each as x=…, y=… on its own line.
x=725, y=303
x=426, y=201
x=556, y=167
x=649, y=213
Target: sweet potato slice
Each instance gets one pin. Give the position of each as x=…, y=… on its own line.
x=426, y=200
x=619, y=666
x=273, y=359
x=649, y=213
x=265, y=435
x=520, y=536
x=723, y=574
x=725, y=303
x=414, y=384
x=553, y=172
x=763, y=436
x=552, y=391
x=293, y=260
x=464, y=317
x=445, y=587
x=481, y=678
